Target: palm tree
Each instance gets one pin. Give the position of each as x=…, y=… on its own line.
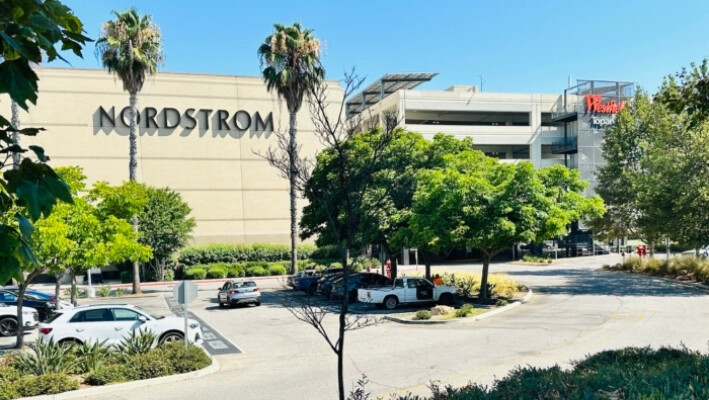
x=131, y=47
x=290, y=62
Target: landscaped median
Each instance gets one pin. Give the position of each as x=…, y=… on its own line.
x=505, y=294
x=49, y=368
x=684, y=268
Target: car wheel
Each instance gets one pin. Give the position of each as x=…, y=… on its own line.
x=69, y=342
x=172, y=336
x=258, y=303
x=8, y=326
x=221, y=305
x=391, y=302
x=445, y=299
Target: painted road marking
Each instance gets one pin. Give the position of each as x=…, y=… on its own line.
x=216, y=343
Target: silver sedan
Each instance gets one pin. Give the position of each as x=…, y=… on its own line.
x=239, y=292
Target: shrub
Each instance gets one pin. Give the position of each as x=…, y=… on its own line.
x=120, y=292
x=184, y=359
x=138, y=342
x=89, y=355
x=501, y=302
x=8, y=391
x=421, y=315
x=46, y=357
x=632, y=264
x=216, y=272
x=105, y=374
x=169, y=275
x=50, y=383
x=104, y=291
x=256, y=271
x=236, y=270
x=335, y=264
x=195, y=273
x=126, y=276
x=276, y=269
x=149, y=365
x=464, y=311
x=9, y=374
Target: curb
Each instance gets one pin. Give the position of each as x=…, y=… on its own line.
x=689, y=285
x=488, y=314
x=117, y=387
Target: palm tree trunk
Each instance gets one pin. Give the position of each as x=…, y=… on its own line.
x=292, y=153
x=132, y=168
x=15, y=122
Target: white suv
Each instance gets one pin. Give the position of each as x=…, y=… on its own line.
x=8, y=319
x=114, y=322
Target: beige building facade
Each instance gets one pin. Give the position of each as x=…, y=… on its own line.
x=200, y=135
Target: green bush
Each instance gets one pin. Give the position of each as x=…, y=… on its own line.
x=326, y=252
x=90, y=355
x=138, y=342
x=422, y=315
x=195, y=273
x=236, y=270
x=216, y=272
x=149, y=365
x=501, y=302
x=9, y=374
x=50, y=383
x=464, y=311
x=335, y=264
x=184, y=359
x=105, y=374
x=46, y=357
x=120, y=292
x=169, y=275
x=256, y=271
x=632, y=264
x=8, y=391
x=230, y=253
x=276, y=269
x=126, y=276
x=104, y=291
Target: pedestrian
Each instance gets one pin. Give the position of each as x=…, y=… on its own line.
x=437, y=280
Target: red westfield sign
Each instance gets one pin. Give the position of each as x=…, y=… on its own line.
x=594, y=104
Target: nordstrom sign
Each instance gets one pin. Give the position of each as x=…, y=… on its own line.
x=191, y=118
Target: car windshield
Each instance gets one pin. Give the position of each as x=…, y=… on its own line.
x=149, y=313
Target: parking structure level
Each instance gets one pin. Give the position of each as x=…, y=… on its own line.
x=214, y=342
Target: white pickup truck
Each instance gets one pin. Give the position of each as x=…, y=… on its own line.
x=407, y=290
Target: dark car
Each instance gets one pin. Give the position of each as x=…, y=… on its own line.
x=44, y=308
x=325, y=283
x=362, y=280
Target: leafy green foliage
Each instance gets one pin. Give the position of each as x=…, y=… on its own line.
x=195, y=273
x=90, y=355
x=104, y=291
x=216, y=273
x=230, y=253
x=131, y=47
x=685, y=268
x=184, y=359
x=164, y=225
x=276, y=269
x=422, y=315
x=30, y=30
x=46, y=357
x=49, y=383
x=138, y=342
x=105, y=374
x=464, y=311
x=150, y=364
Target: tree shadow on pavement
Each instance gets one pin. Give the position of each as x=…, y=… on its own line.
x=604, y=283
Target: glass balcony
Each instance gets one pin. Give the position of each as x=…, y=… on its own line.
x=565, y=146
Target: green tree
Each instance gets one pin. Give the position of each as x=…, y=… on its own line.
x=687, y=91
x=290, y=62
x=477, y=202
x=29, y=32
x=131, y=47
x=165, y=226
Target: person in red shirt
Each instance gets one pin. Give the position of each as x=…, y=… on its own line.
x=437, y=280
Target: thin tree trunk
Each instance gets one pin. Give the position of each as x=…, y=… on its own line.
x=343, y=324
x=20, y=321
x=57, y=288
x=486, y=269
x=132, y=172
x=15, y=121
x=73, y=287
x=292, y=150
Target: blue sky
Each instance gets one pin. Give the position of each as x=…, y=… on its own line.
x=516, y=46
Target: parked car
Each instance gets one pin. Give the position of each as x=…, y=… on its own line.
x=325, y=283
x=309, y=284
x=42, y=295
x=703, y=252
x=362, y=280
x=239, y=292
x=407, y=290
x=113, y=323
x=295, y=278
x=8, y=319
x=44, y=308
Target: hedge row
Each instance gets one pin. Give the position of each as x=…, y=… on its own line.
x=235, y=270
x=231, y=253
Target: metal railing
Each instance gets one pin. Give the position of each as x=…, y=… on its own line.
x=566, y=145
